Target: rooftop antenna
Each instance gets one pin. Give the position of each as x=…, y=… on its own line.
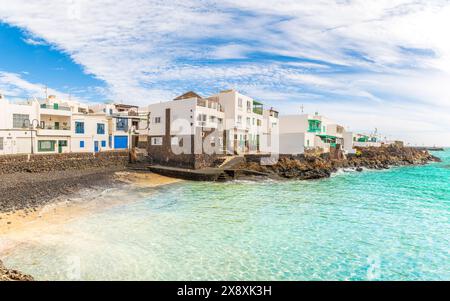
x=302, y=107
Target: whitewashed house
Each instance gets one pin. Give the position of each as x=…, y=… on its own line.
x=309, y=132
x=127, y=124
x=247, y=124
x=51, y=125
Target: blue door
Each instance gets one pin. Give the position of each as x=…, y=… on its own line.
x=96, y=146
x=120, y=142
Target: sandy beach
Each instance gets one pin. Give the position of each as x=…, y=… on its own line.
x=75, y=204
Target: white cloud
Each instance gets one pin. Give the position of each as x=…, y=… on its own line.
x=14, y=87
x=150, y=50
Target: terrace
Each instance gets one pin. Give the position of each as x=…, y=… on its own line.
x=258, y=107
x=315, y=126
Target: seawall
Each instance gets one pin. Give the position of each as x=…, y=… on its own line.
x=57, y=162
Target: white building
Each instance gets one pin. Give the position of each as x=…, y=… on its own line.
x=226, y=123
x=51, y=125
x=247, y=125
x=309, y=132
x=127, y=124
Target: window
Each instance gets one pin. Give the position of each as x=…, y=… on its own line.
x=157, y=119
x=1, y=143
x=79, y=127
x=157, y=140
x=21, y=121
x=258, y=122
x=46, y=146
x=122, y=124
x=110, y=141
x=100, y=128
x=219, y=120
x=239, y=119
x=249, y=106
x=202, y=117
x=314, y=126
x=240, y=103
x=81, y=144
x=62, y=143
x=248, y=121
x=212, y=118
x=104, y=143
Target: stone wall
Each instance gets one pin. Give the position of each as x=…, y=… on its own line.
x=67, y=161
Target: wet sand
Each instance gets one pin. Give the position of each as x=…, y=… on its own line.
x=65, y=208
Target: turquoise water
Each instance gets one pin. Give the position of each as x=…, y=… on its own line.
x=374, y=225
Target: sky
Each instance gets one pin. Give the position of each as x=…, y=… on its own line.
x=368, y=65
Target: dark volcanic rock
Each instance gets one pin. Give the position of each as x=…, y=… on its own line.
x=316, y=167
x=12, y=275
x=28, y=191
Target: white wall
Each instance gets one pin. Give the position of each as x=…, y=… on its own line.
x=292, y=143
x=293, y=124
x=90, y=133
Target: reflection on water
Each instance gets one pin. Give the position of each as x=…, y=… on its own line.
x=388, y=225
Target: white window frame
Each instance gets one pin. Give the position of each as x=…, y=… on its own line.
x=240, y=103
x=158, y=141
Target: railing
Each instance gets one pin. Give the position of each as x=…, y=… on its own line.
x=314, y=130
x=59, y=128
x=208, y=104
x=201, y=102
x=258, y=110
x=53, y=107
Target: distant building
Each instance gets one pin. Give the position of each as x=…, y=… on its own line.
x=300, y=133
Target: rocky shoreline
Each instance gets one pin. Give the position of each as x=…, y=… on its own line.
x=28, y=191
x=13, y=275
x=305, y=167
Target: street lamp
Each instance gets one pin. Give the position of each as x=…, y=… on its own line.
x=132, y=129
x=31, y=126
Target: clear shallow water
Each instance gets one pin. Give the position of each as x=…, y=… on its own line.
x=376, y=225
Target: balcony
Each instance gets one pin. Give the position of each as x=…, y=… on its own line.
x=52, y=130
x=55, y=110
x=210, y=104
x=258, y=107
x=315, y=126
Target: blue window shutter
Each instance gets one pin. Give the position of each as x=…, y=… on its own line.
x=81, y=144
x=103, y=143
x=79, y=127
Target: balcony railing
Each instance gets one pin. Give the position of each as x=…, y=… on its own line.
x=56, y=128
x=209, y=104
x=55, y=107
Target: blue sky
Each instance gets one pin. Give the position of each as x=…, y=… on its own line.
x=367, y=64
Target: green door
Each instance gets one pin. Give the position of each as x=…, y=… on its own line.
x=61, y=144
